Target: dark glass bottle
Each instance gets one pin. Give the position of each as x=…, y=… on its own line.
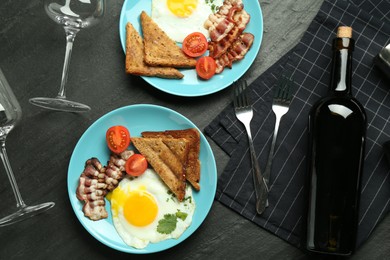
x=337, y=129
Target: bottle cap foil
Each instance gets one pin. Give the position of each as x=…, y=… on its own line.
x=344, y=32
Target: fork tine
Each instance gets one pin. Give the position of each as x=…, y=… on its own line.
x=283, y=91
x=288, y=91
x=288, y=95
x=244, y=86
x=243, y=96
x=235, y=96
x=278, y=88
x=240, y=99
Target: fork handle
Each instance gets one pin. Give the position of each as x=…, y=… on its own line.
x=267, y=171
x=261, y=188
x=271, y=152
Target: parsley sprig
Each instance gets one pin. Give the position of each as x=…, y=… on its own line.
x=214, y=8
x=168, y=224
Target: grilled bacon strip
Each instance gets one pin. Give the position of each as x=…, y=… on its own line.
x=217, y=49
x=237, y=51
x=96, y=181
x=227, y=42
x=95, y=209
x=221, y=23
x=227, y=6
x=218, y=27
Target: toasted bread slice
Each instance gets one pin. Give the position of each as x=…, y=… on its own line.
x=160, y=50
x=135, y=58
x=193, y=164
x=166, y=164
x=180, y=147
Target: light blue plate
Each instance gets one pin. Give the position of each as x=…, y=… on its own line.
x=138, y=118
x=191, y=85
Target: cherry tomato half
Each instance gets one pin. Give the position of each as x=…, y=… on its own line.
x=136, y=165
x=117, y=138
x=195, y=44
x=205, y=67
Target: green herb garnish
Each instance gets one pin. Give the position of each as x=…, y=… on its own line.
x=168, y=224
x=214, y=8
x=181, y=215
x=189, y=199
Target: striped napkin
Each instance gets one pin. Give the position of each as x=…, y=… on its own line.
x=309, y=63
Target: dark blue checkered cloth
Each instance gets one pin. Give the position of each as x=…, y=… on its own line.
x=309, y=63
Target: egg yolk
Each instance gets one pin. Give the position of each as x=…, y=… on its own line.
x=182, y=8
x=140, y=208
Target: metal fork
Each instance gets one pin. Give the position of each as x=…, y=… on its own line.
x=280, y=106
x=244, y=113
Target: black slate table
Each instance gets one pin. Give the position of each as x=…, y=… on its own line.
x=31, y=56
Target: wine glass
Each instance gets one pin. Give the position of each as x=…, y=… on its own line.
x=10, y=114
x=73, y=15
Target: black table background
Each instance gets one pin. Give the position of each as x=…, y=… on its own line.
x=32, y=51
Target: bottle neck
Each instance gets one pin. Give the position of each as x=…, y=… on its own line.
x=341, y=74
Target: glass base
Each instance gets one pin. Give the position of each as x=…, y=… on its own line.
x=59, y=104
x=25, y=212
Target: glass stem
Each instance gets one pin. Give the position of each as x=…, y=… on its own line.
x=70, y=36
x=8, y=169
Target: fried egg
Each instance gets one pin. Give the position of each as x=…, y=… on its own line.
x=179, y=18
x=144, y=210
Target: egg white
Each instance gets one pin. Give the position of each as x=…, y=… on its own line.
x=139, y=237
x=177, y=28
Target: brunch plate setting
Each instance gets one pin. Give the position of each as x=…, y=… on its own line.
x=141, y=212
x=232, y=50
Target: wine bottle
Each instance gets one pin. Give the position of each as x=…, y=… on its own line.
x=337, y=130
